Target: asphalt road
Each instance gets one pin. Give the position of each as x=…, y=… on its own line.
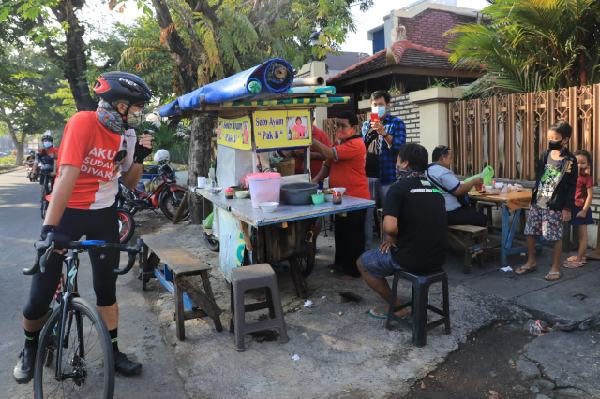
x=138, y=330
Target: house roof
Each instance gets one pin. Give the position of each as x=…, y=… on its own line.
x=403, y=53
x=343, y=59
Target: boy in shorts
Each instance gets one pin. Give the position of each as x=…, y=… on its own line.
x=552, y=199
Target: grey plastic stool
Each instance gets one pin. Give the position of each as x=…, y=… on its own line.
x=420, y=304
x=252, y=277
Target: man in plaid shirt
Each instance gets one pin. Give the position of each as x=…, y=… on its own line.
x=383, y=138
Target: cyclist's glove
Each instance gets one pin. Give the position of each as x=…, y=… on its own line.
x=140, y=153
x=61, y=241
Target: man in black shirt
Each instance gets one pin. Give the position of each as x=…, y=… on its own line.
x=414, y=224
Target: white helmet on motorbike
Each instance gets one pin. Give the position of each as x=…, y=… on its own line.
x=162, y=156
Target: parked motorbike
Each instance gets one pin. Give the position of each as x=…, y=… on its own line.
x=167, y=195
x=126, y=225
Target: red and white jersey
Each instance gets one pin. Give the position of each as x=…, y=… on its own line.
x=87, y=144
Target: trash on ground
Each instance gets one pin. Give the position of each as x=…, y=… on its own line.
x=493, y=395
x=537, y=327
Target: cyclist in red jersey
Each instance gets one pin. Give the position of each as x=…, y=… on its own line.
x=97, y=147
x=46, y=156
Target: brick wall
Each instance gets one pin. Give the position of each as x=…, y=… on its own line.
x=428, y=28
x=409, y=113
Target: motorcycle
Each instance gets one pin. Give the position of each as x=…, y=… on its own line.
x=126, y=225
x=166, y=196
x=29, y=168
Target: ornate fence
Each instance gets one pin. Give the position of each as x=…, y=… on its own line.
x=508, y=131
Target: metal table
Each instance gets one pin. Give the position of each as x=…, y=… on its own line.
x=242, y=209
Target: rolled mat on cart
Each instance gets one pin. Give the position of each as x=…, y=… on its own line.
x=273, y=76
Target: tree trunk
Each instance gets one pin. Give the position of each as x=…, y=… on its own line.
x=187, y=67
x=199, y=159
x=74, y=61
x=15, y=139
x=20, y=146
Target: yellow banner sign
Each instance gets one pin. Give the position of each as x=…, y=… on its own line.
x=282, y=129
x=234, y=133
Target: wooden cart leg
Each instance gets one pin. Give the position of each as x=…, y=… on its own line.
x=298, y=279
x=179, y=311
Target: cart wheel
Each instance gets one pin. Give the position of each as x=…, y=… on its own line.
x=212, y=242
x=307, y=263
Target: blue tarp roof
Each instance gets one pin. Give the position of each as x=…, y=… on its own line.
x=275, y=76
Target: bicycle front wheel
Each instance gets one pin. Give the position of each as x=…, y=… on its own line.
x=86, y=368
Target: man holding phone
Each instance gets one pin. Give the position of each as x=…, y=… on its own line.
x=384, y=134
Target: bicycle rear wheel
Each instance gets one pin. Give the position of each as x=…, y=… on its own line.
x=87, y=357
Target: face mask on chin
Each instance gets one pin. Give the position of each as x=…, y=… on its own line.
x=554, y=144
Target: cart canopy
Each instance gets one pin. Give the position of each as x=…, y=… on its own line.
x=273, y=76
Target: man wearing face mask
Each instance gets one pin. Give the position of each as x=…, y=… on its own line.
x=97, y=147
x=383, y=134
x=345, y=166
x=45, y=164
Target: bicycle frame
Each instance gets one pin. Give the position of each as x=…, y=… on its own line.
x=68, y=292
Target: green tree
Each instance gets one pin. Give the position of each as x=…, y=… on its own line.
x=54, y=25
x=531, y=45
x=24, y=107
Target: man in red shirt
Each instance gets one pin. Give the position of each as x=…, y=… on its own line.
x=345, y=167
x=97, y=147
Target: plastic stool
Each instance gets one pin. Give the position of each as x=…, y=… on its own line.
x=247, y=278
x=420, y=304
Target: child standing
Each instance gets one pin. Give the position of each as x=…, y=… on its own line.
x=552, y=199
x=582, y=214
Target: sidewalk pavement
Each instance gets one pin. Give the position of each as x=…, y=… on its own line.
x=345, y=353
x=558, y=364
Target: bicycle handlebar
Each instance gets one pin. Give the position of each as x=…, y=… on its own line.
x=47, y=246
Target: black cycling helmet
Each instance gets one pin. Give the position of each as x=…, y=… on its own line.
x=113, y=86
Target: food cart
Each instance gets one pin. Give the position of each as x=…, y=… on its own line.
x=250, y=130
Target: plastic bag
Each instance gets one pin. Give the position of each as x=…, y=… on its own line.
x=207, y=223
x=487, y=174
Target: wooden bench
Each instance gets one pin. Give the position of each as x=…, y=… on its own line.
x=178, y=265
x=471, y=240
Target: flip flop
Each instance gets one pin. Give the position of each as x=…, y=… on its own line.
x=378, y=312
x=522, y=270
x=548, y=277
x=574, y=259
x=573, y=264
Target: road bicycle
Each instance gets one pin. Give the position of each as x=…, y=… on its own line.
x=75, y=355
x=47, y=183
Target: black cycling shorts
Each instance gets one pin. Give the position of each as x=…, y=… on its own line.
x=96, y=224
